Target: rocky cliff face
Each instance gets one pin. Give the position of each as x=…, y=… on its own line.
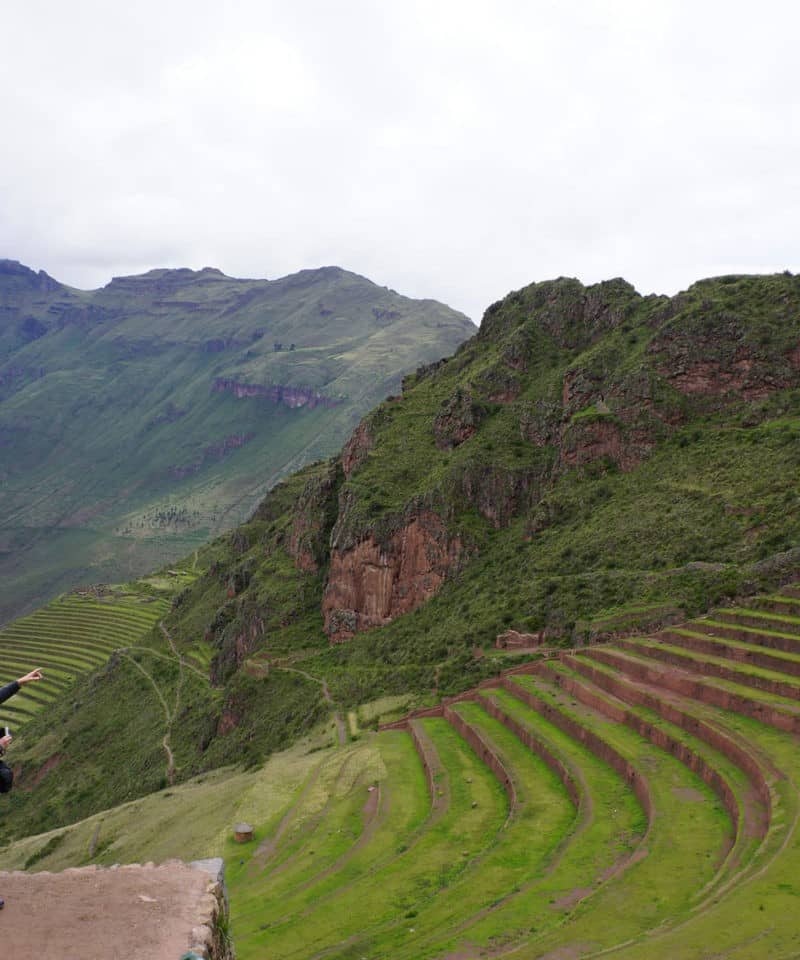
x=312, y=519
x=371, y=583
x=457, y=420
x=288, y=396
x=357, y=448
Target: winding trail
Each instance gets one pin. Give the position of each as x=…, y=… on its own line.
x=169, y=714
x=163, y=656
x=170, y=773
x=268, y=847
x=341, y=727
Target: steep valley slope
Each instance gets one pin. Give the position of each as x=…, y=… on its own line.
x=138, y=420
x=591, y=462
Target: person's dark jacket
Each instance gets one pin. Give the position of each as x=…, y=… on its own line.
x=8, y=691
x=6, y=774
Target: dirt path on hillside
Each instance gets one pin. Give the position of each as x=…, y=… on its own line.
x=270, y=845
x=341, y=726
x=170, y=713
x=170, y=771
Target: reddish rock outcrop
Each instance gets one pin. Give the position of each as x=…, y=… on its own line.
x=515, y=639
x=500, y=493
x=235, y=648
x=292, y=397
x=313, y=518
x=540, y=423
x=371, y=583
x=457, y=420
x=591, y=440
x=720, y=364
x=499, y=385
x=710, y=379
x=357, y=448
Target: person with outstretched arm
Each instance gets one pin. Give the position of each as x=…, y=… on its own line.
x=5, y=692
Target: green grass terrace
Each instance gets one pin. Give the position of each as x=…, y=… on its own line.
x=70, y=636
x=636, y=799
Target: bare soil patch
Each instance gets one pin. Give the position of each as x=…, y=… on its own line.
x=688, y=793
x=128, y=913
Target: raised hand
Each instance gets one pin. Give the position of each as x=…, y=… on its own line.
x=30, y=677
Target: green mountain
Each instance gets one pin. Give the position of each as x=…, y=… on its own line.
x=591, y=461
x=592, y=464
x=139, y=420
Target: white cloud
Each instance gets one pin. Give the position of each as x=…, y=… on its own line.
x=448, y=149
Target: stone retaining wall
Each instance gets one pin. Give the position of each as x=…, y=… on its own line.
x=471, y=736
x=535, y=745
x=687, y=686
x=209, y=937
x=752, y=656
x=694, y=726
x=786, y=644
x=599, y=747
x=707, y=668
x=681, y=751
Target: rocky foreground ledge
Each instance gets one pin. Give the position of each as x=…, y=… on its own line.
x=135, y=912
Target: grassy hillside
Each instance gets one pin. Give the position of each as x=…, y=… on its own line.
x=592, y=466
x=139, y=420
x=579, y=476
x=574, y=470
x=72, y=636
x=600, y=802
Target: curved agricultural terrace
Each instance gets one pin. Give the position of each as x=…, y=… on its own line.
x=70, y=636
x=636, y=799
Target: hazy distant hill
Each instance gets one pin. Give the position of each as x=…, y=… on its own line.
x=140, y=419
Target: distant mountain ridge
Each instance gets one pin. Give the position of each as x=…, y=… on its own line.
x=139, y=419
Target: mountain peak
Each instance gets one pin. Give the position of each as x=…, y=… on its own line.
x=40, y=280
x=173, y=276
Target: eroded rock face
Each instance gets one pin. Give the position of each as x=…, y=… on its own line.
x=236, y=644
x=314, y=515
x=499, y=493
x=605, y=438
x=372, y=583
x=621, y=421
x=357, y=448
x=541, y=423
x=711, y=379
x=457, y=420
x=721, y=363
x=288, y=396
x=499, y=384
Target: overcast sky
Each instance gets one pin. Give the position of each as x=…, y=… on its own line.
x=447, y=148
